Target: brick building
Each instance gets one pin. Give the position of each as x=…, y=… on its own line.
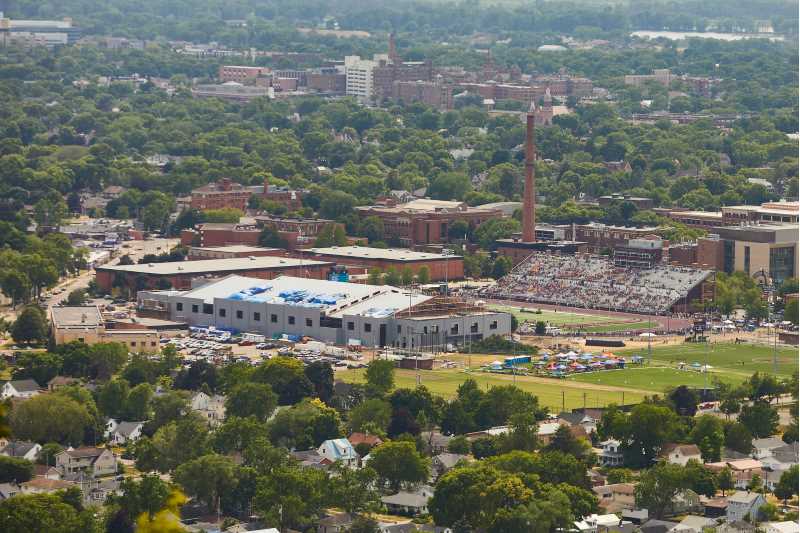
x=197, y=253
x=242, y=74
x=298, y=232
x=439, y=266
x=220, y=234
x=327, y=80
x=179, y=274
x=227, y=193
x=599, y=237
x=425, y=221
x=430, y=93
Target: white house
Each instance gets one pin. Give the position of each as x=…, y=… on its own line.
x=339, y=450
x=21, y=450
x=763, y=448
x=211, y=408
x=611, y=454
x=743, y=504
x=125, y=432
x=595, y=523
x=680, y=454
x=90, y=461
x=19, y=388
x=409, y=503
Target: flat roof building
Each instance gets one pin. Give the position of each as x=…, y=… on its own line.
x=440, y=267
x=329, y=311
x=179, y=274
x=232, y=251
x=425, y=221
x=86, y=324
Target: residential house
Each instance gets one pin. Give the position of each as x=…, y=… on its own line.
x=616, y=497
x=780, y=527
x=686, y=501
x=598, y=523
x=409, y=503
x=636, y=516
x=739, y=526
x=445, y=461
x=364, y=438
x=210, y=407
x=19, y=388
x=657, y=526
x=611, y=454
x=125, y=432
x=21, y=450
x=743, y=470
x=335, y=523
x=61, y=381
x=45, y=471
x=435, y=441
x=339, y=451
x=694, y=524
x=43, y=485
x=7, y=490
x=715, y=507
x=546, y=430
x=680, y=454
x=763, y=448
x=87, y=460
x=743, y=505
x=781, y=460
x=311, y=459
x=587, y=422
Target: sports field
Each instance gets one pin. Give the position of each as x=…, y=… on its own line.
x=731, y=363
x=552, y=393
x=736, y=360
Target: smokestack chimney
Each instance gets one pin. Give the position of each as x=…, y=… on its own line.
x=266, y=184
x=529, y=195
x=393, y=58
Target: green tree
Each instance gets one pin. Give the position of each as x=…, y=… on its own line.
x=270, y=238
x=207, y=477
x=738, y=438
x=137, y=404
x=113, y=398
x=42, y=512
x=370, y=416
x=353, y=489
x=15, y=469
x=760, y=418
x=398, y=463
x=392, y=277
x=375, y=276
x=541, y=327
x=791, y=313
x=237, y=434
x=305, y=425
x=380, y=377
x=50, y=418
x=287, y=378
x=291, y=497
x=423, y=275
x=77, y=297
x=725, y=480
x=30, y=326
x=38, y=366
x=709, y=434
x=251, y=399
x=658, y=487
x=787, y=485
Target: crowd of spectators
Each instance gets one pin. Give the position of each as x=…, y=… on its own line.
x=594, y=282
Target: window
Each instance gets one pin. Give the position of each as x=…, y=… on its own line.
x=152, y=343
x=208, y=309
x=493, y=325
x=273, y=319
x=195, y=309
x=399, y=329
x=257, y=317
x=291, y=320
x=239, y=314
x=179, y=306
x=309, y=322
x=747, y=260
x=474, y=327
x=223, y=312
x=454, y=329
x=425, y=330
x=351, y=326
x=133, y=343
x=367, y=327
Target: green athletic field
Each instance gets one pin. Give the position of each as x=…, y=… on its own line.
x=656, y=379
x=571, y=320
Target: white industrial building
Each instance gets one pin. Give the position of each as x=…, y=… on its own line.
x=329, y=311
x=359, y=79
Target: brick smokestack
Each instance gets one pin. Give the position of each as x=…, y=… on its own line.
x=393, y=57
x=266, y=184
x=529, y=195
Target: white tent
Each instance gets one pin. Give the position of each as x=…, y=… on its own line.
x=647, y=334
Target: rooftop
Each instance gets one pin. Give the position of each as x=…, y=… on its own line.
x=741, y=496
x=389, y=254
x=24, y=385
x=233, y=248
x=76, y=316
x=209, y=266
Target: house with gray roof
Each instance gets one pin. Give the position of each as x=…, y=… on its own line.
x=19, y=388
x=409, y=503
x=765, y=447
x=125, y=432
x=21, y=449
x=744, y=504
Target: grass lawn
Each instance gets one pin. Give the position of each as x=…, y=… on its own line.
x=655, y=379
x=733, y=359
x=445, y=382
x=555, y=318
